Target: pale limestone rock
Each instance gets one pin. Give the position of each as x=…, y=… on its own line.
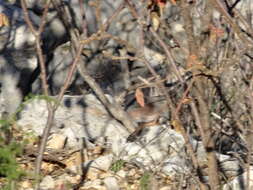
x=166, y=188
x=102, y=162
x=56, y=141
x=111, y=183
x=121, y=173
x=175, y=165
x=78, y=117
x=240, y=182
x=47, y=183
x=95, y=184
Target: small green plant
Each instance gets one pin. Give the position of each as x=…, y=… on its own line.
x=9, y=150
x=116, y=166
x=144, y=181
x=8, y=166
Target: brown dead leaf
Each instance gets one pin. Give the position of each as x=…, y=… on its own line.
x=140, y=97
x=4, y=21
x=177, y=126
x=186, y=100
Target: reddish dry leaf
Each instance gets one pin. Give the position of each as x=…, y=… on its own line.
x=192, y=59
x=194, y=63
x=186, y=100
x=160, y=2
x=139, y=97
x=215, y=33
x=173, y=2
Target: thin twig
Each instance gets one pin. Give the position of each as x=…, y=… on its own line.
x=218, y=5
x=51, y=108
x=51, y=112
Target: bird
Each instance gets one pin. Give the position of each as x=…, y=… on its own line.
x=146, y=116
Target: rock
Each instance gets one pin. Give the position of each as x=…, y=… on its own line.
x=93, y=174
x=74, y=162
x=175, y=165
x=121, y=173
x=111, y=183
x=16, y=67
x=231, y=167
x=16, y=36
x=84, y=118
x=101, y=163
x=131, y=172
x=200, y=151
x=154, y=57
x=94, y=185
x=66, y=178
x=154, y=147
x=166, y=188
x=95, y=168
x=240, y=182
x=56, y=141
x=77, y=118
x=81, y=117
x=47, y=183
x=26, y=185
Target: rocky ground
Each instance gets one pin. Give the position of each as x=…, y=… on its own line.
x=87, y=149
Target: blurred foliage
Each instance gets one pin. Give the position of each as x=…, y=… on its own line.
x=9, y=150
x=144, y=181
x=118, y=165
